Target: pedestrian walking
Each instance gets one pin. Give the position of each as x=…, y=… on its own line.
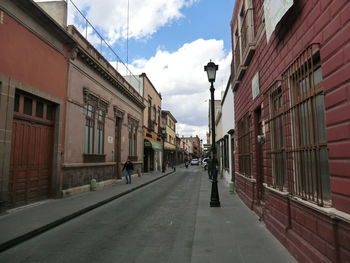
x=210, y=168
x=186, y=162
x=127, y=170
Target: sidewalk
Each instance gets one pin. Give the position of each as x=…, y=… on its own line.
x=23, y=223
x=232, y=232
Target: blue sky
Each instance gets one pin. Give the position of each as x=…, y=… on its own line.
x=171, y=41
x=207, y=19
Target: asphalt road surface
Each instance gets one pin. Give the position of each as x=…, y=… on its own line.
x=153, y=224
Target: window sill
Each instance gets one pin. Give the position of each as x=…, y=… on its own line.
x=252, y=180
x=328, y=211
x=132, y=158
x=276, y=190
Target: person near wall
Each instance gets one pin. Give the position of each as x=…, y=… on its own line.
x=127, y=170
x=210, y=168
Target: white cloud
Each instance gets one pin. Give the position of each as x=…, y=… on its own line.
x=190, y=130
x=183, y=83
x=145, y=17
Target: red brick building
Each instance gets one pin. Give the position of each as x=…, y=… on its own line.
x=34, y=53
x=292, y=104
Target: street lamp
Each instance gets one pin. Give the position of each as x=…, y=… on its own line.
x=163, y=131
x=211, y=69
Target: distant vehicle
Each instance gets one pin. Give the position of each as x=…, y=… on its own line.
x=205, y=162
x=194, y=162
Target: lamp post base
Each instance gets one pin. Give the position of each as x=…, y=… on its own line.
x=214, y=198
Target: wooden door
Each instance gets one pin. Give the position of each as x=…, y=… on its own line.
x=31, y=151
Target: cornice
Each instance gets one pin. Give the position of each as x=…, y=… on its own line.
x=96, y=67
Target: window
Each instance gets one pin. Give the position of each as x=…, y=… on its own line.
x=89, y=129
x=100, y=131
x=28, y=106
x=133, y=127
x=245, y=146
x=39, y=109
x=159, y=120
x=278, y=154
x=35, y=109
x=237, y=52
x=247, y=27
x=50, y=112
x=150, y=124
x=154, y=113
x=16, y=109
x=304, y=128
x=94, y=128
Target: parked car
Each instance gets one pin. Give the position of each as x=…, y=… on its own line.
x=205, y=163
x=194, y=162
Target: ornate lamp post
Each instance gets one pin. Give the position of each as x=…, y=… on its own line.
x=163, y=131
x=211, y=69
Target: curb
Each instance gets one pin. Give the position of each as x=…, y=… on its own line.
x=13, y=242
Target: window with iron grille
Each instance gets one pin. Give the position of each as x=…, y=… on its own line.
x=89, y=129
x=94, y=128
x=100, y=131
x=308, y=175
x=133, y=127
x=278, y=153
x=245, y=146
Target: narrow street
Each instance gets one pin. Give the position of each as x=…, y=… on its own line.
x=154, y=224
x=166, y=221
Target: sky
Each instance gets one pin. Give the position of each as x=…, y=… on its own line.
x=171, y=41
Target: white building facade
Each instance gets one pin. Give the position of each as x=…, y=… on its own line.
x=227, y=139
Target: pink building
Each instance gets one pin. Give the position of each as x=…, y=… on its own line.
x=104, y=120
x=290, y=76
x=34, y=54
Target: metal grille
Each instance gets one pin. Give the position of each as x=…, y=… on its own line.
x=245, y=146
x=277, y=122
x=304, y=129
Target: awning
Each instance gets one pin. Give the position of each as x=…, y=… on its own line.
x=155, y=146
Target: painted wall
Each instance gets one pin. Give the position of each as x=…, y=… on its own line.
x=34, y=60
x=28, y=62
x=107, y=85
x=227, y=125
x=322, y=231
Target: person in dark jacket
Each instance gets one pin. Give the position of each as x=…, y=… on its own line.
x=127, y=170
x=210, y=168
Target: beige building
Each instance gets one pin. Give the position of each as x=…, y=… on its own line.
x=169, y=122
x=152, y=159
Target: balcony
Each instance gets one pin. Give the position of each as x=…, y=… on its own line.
x=247, y=37
x=239, y=68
